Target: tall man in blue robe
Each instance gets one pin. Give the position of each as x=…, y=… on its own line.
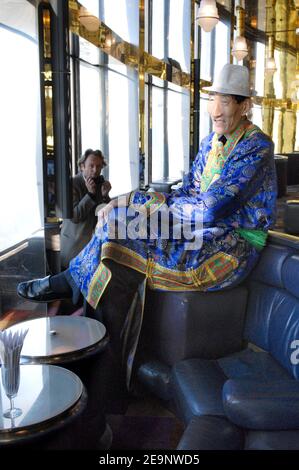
x=230, y=189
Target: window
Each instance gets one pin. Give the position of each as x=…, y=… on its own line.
x=260, y=69
x=257, y=116
x=179, y=32
x=221, y=46
x=91, y=5
x=91, y=107
x=158, y=141
x=205, y=55
x=122, y=16
x=158, y=29
x=205, y=121
x=178, y=111
x=170, y=131
x=122, y=105
x=20, y=142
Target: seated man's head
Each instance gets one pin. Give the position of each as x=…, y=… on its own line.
x=91, y=163
x=229, y=99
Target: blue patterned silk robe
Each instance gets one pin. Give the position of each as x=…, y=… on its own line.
x=229, y=187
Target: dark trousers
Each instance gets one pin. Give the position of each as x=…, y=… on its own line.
x=107, y=369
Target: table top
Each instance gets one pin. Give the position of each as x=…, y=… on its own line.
x=46, y=392
x=60, y=338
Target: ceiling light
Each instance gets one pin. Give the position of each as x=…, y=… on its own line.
x=207, y=15
x=240, y=49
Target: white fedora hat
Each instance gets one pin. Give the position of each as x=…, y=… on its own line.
x=232, y=80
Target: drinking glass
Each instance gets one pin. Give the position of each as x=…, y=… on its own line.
x=11, y=381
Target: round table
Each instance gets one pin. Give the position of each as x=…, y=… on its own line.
x=75, y=343
x=61, y=339
x=49, y=397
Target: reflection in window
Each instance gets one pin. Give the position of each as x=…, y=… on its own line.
x=277, y=82
x=123, y=132
x=122, y=16
x=19, y=122
x=257, y=116
x=91, y=107
x=221, y=47
x=297, y=132
x=275, y=137
x=260, y=68
x=179, y=32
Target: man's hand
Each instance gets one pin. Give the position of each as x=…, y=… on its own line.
x=91, y=185
x=106, y=186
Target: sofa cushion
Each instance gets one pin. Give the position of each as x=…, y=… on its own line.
x=284, y=330
x=197, y=383
x=256, y=404
x=290, y=273
x=197, y=388
x=272, y=440
x=260, y=308
x=272, y=319
x=248, y=364
x=211, y=433
x=269, y=268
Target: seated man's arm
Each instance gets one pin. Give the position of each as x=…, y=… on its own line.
x=82, y=205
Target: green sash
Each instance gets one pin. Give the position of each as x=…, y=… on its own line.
x=257, y=238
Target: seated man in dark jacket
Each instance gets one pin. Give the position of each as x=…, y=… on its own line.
x=89, y=190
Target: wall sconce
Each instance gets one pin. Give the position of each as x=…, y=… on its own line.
x=270, y=64
x=89, y=21
x=207, y=15
x=240, y=49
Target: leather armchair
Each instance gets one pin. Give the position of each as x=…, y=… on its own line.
x=226, y=359
x=255, y=390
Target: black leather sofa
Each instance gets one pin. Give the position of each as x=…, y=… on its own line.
x=291, y=217
x=292, y=167
x=229, y=361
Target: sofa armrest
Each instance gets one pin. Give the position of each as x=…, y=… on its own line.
x=262, y=405
x=181, y=325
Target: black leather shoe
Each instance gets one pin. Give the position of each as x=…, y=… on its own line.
x=39, y=290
